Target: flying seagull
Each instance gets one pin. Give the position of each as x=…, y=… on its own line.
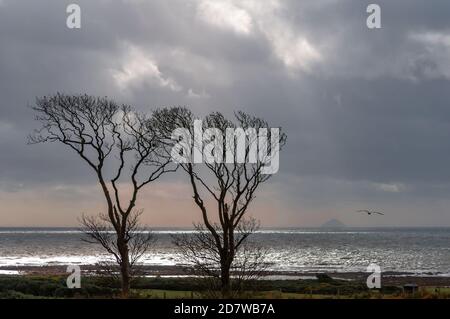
x=369, y=212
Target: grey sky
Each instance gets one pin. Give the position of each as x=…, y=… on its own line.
x=366, y=111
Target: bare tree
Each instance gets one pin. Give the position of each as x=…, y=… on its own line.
x=201, y=253
x=114, y=141
x=98, y=230
x=222, y=190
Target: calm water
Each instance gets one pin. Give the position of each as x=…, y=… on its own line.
x=418, y=250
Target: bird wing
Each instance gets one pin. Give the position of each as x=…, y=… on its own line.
x=378, y=213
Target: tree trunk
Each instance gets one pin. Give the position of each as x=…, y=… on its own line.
x=125, y=269
x=225, y=280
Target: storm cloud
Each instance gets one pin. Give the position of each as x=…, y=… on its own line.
x=366, y=111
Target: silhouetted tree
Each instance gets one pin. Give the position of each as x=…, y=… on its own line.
x=99, y=230
x=201, y=253
x=222, y=190
x=114, y=141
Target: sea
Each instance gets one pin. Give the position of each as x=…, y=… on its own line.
x=421, y=251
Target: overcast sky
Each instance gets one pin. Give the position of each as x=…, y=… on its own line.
x=367, y=112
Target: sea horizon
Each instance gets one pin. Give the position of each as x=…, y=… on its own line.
x=262, y=228
x=415, y=250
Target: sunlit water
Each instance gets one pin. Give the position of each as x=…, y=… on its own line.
x=417, y=250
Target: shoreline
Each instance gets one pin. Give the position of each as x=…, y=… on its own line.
x=388, y=278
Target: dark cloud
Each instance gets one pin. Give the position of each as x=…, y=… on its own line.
x=366, y=111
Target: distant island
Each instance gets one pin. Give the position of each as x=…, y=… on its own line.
x=333, y=223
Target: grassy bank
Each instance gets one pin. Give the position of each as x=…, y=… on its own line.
x=174, y=288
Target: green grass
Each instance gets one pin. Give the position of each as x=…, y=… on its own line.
x=442, y=290
x=19, y=287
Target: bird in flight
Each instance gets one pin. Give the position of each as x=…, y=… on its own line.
x=369, y=212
